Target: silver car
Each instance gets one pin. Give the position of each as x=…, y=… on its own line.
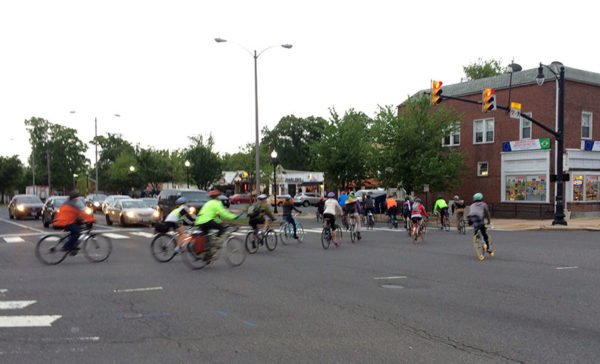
x=130, y=212
x=110, y=199
x=306, y=198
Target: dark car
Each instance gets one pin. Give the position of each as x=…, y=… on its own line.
x=94, y=201
x=241, y=198
x=53, y=204
x=225, y=200
x=25, y=206
x=166, y=200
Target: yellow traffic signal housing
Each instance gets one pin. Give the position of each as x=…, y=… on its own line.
x=436, y=92
x=488, y=100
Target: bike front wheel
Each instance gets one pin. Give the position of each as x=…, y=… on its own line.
x=251, y=243
x=163, y=247
x=97, y=248
x=270, y=240
x=352, y=234
x=300, y=232
x=49, y=250
x=285, y=233
x=325, y=238
x=235, y=252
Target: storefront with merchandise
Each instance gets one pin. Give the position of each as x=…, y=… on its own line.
x=583, y=188
x=291, y=182
x=525, y=171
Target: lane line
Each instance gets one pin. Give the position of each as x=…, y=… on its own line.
x=142, y=234
x=115, y=236
x=392, y=277
x=15, y=305
x=28, y=321
x=137, y=289
x=21, y=225
x=561, y=268
x=24, y=234
x=14, y=239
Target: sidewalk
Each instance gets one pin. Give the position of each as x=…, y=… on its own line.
x=582, y=223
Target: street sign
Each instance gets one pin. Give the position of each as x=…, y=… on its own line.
x=425, y=188
x=515, y=110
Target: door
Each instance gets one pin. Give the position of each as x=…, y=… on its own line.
x=292, y=190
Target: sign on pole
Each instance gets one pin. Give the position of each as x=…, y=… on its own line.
x=425, y=188
x=515, y=110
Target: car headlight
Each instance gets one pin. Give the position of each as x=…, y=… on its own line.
x=21, y=208
x=155, y=213
x=130, y=214
x=192, y=210
x=96, y=203
x=88, y=211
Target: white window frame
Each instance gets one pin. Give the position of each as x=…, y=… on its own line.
x=455, y=129
x=591, y=114
x=479, y=164
x=485, y=131
x=521, y=126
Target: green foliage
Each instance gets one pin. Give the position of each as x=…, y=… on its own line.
x=122, y=179
x=482, y=69
x=205, y=168
x=110, y=148
x=11, y=174
x=410, y=152
x=155, y=166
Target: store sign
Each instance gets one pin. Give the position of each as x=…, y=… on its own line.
x=531, y=144
x=593, y=146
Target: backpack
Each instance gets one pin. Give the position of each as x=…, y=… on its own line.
x=415, y=207
x=406, y=207
x=254, y=210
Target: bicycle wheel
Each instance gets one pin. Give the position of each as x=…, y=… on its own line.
x=49, y=249
x=97, y=248
x=478, y=246
x=300, y=232
x=192, y=259
x=285, y=233
x=461, y=225
x=251, y=244
x=270, y=240
x=352, y=233
x=491, y=247
x=325, y=238
x=235, y=252
x=338, y=229
x=415, y=233
x=162, y=247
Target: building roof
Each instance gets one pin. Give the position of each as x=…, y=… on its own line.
x=525, y=77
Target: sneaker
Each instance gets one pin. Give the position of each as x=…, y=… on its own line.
x=358, y=236
x=296, y=237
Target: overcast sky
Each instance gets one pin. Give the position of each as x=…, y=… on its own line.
x=157, y=65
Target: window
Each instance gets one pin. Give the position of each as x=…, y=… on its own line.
x=526, y=188
x=483, y=131
x=482, y=169
x=525, y=132
x=591, y=188
x=453, y=136
x=586, y=188
x=586, y=125
x=577, y=188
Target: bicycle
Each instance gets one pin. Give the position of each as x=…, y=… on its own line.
x=444, y=225
x=353, y=226
x=370, y=220
x=392, y=221
x=286, y=231
x=461, y=227
x=96, y=247
x=327, y=235
x=163, y=245
x=409, y=226
x=319, y=216
x=267, y=238
x=200, y=251
x=418, y=230
x=480, y=246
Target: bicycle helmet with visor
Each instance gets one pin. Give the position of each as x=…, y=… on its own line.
x=181, y=200
x=331, y=195
x=214, y=193
x=477, y=197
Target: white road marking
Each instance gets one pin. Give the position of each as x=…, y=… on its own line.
x=392, y=277
x=21, y=225
x=138, y=289
x=28, y=321
x=15, y=305
x=142, y=234
x=560, y=268
x=24, y=234
x=115, y=236
x=13, y=239
x=3, y=291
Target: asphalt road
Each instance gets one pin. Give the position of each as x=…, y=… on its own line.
x=383, y=299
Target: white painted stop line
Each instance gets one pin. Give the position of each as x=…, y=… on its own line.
x=15, y=305
x=142, y=234
x=115, y=236
x=13, y=239
x=28, y=321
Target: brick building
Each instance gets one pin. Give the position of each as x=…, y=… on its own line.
x=510, y=160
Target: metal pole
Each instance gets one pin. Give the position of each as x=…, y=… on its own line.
x=96, y=144
x=187, y=176
x=33, y=165
x=256, y=118
x=559, y=214
x=49, y=180
x=275, y=185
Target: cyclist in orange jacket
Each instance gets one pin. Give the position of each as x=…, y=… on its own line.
x=69, y=217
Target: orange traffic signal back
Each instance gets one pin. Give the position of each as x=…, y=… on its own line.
x=436, y=92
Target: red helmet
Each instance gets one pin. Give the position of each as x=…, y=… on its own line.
x=214, y=193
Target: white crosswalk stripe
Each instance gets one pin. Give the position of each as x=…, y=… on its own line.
x=115, y=236
x=15, y=305
x=13, y=239
x=23, y=320
x=141, y=233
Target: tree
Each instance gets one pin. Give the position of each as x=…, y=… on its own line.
x=120, y=174
x=482, y=69
x=410, y=152
x=292, y=138
x=11, y=174
x=205, y=166
x=111, y=147
x=155, y=166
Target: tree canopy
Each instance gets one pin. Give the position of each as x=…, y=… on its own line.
x=482, y=69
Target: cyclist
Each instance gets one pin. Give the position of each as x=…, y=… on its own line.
x=369, y=206
x=69, y=217
x=256, y=214
x=342, y=199
x=478, y=211
x=332, y=208
x=211, y=214
x=458, y=206
x=443, y=209
x=352, y=208
x=406, y=209
x=288, y=207
x=392, y=207
x=321, y=207
x=417, y=212
x=177, y=218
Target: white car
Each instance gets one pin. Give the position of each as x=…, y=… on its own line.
x=130, y=212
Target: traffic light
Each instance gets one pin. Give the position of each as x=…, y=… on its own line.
x=488, y=100
x=436, y=92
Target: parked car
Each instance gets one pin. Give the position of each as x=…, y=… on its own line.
x=21, y=206
x=130, y=212
x=53, y=204
x=241, y=198
x=95, y=201
x=280, y=199
x=306, y=198
x=150, y=202
x=226, y=202
x=107, y=201
x=166, y=200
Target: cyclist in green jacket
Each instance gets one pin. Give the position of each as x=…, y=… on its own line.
x=442, y=206
x=212, y=213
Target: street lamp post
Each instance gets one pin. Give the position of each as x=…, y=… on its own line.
x=75, y=181
x=275, y=161
x=131, y=170
x=255, y=55
x=559, y=213
x=187, y=173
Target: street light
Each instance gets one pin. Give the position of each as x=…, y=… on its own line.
x=275, y=161
x=74, y=180
x=131, y=170
x=187, y=172
x=255, y=55
x=559, y=213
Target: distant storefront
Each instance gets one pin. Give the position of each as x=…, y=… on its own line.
x=292, y=182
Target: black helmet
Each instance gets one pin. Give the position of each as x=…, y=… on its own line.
x=73, y=194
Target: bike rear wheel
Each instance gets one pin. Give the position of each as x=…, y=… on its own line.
x=325, y=238
x=461, y=225
x=478, y=246
x=251, y=243
x=49, y=249
x=270, y=240
x=192, y=259
x=352, y=233
x=300, y=232
x=285, y=233
x=235, y=252
x=97, y=248
x=163, y=246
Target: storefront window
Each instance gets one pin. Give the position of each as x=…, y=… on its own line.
x=591, y=188
x=526, y=188
x=577, y=188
